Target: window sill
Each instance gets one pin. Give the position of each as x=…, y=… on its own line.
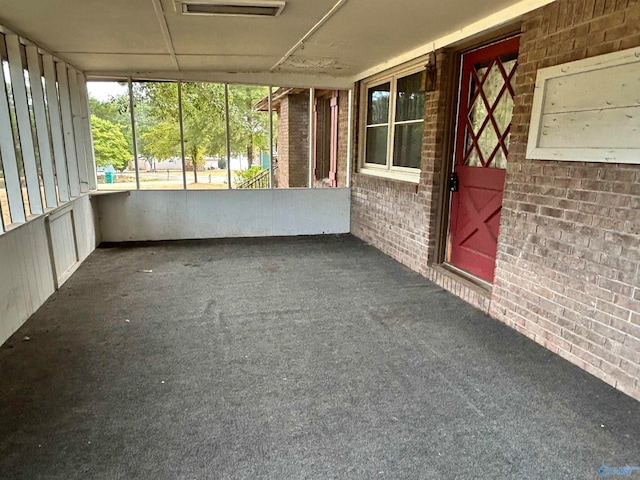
x=49, y=212
x=99, y=193
x=407, y=177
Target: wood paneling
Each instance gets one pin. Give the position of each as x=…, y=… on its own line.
x=588, y=110
x=63, y=244
x=27, y=277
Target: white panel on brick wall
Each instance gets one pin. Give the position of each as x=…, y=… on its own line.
x=588, y=110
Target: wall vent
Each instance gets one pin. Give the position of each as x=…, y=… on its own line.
x=251, y=8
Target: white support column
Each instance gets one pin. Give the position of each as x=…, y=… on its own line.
x=78, y=129
x=86, y=130
x=181, y=122
x=270, y=103
x=349, y=138
x=312, y=94
x=227, y=134
x=24, y=124
x=42, y=130
x=9, y=160
x=134, y=136
x=57, y=138
x=67, y=129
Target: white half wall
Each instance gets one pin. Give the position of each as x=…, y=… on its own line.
x=27, y=276
x=196, y=214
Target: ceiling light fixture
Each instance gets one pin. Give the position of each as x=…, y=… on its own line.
x=242, y=8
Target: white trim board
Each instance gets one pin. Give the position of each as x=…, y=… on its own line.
x=588, y=110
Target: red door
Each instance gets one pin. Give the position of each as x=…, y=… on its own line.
x=481, y=147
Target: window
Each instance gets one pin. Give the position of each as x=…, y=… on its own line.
x=394, y=109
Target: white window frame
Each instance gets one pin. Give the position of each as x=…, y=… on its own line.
x=388, y=170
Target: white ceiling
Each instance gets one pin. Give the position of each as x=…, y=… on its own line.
x=149, y=38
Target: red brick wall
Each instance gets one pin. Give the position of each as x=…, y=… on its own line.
x=568, y=268
x=293, y=141
x=392, y=216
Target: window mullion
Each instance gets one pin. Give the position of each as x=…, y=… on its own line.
x=392, y=113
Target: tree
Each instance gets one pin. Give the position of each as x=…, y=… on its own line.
x=116, y=111
x=162, y=141
x=249, y=129
x=109, y=144
x=202, y=118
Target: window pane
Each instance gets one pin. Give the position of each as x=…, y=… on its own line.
x=410, y=98
x=204, y=135
x=378, y=104
x=407, y=145
x=249, y=137
x=158, y=135
x=16, y=137
x=377, y=145
x=34, y=134
x=47, y=115
x=112, y=138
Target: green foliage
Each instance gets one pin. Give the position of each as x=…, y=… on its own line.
x=109, y=144
x=115, y=110
x=248, y=173
x=249, y=129
x=162, y=141
x=203, y=119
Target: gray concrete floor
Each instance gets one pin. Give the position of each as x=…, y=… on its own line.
x=290, y=358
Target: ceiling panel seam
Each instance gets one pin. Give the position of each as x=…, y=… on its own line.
x=166, y=34
x=311, y=31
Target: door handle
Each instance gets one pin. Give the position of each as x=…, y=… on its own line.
x=454, y=183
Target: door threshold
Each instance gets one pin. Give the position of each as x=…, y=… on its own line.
x=478, y=284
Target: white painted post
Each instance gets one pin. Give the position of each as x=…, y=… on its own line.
x=182, y=155
x=270, y=103
x=42, y=130
x=227, y=134
x=349, y=139
x=67, y=129
x=133, y=134
x=57, y=138
x=24, y=124
x=86, y=130
x=312, y=94
x=78, y=129
x=9, y=160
